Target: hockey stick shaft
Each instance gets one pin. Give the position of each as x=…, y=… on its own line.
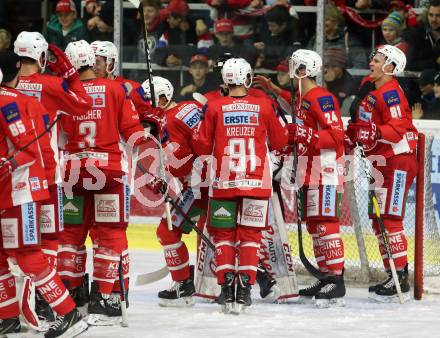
x=302, y=256
x=124, y=322
x=363, y=91
x=180, y=211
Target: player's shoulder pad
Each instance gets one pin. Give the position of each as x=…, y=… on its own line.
x=391, y=97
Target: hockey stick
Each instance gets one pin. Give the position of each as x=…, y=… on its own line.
x=151, y=277
x=180, y=211
x=200, y=98
x=363, y=91
x=124, y=322
x=140, y=7
x=302, y=256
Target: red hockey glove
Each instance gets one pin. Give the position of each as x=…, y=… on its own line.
x=6, y=167
x=301, y=134
x=60, y=64
x=363, y=132
x=156, y=185
x=155, y=119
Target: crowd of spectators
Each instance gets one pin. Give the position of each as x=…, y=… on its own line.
x=265, y=33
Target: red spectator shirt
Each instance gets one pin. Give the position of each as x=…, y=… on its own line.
x=55, y=95
x=98, y=137
x=319, y=110
x=388, y=108
x=28, y=181
x=239, y=132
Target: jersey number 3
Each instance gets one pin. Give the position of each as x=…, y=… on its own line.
x=88, y=130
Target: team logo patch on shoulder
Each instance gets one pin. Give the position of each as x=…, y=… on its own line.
x=391, y=98
x=326, y=103
x=11, y=112
x=192, y=119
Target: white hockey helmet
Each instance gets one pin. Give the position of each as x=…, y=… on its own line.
x=161, y=87
x=108, y=50
x=307, y=60
x=80, y=54
x=32, y=45
x=237, y=71
x=393, y=55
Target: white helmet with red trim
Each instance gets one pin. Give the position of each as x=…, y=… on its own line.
x=80, y=54
x=237, y=71
x=108, y=50
x=393, y=55
x=32, y=45
x=307, y=60
x=161, y=87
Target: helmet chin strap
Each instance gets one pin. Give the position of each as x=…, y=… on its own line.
x=43, y=66
x=383, y=69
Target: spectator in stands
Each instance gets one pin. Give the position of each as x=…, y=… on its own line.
x=424, y=41
x=64, y=26
x=392, y=27
x=100, y=25
x=198, y=69
x=337, y=36
x=178, y=31
x=406, y=12
x=5, y=40
x=338, y=81
x=278, y=37
x=224, y=33
x=426, y=108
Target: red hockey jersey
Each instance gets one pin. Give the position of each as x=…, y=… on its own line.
x=239, y=133
x=55, y=95
x=27, y=182
x=181, y=121
x=100, y=133
x=388, y=108
x=136, y=93
x=319, y=110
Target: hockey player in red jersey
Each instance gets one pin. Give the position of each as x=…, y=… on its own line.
x=181, y=120
x=384, y=127
x=107, y=65
x=236, y=130
x=64, y=93
x=318, y=134
x=24, y=186
x=96, y=190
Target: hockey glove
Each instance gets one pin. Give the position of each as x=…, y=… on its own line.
x=302, y=134
x=60, y=64
x=365, y=133
x=154, y=119
x=6, y=167
x=157, y=186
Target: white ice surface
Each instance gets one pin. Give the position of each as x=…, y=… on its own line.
x=360, y=317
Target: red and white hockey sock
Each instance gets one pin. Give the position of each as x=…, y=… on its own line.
x=53, y=291
x=396, y=239
x=125, y=272
x=50, y=250
x=71, y=265
x=319, y=253
x=105, y=269
x=248, y=257
x=224, y=253
x=177, y=258
x=332, y=247
x=8, y=301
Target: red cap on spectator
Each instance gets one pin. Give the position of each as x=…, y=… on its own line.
x=283, y=66
x=65, y=6
x=223, y=25
x=396, y=4
x=199, y=58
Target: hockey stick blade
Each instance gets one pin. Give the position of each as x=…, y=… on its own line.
x=200, y=98
x=151, y=277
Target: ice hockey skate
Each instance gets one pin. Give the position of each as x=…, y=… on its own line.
x=306, y=295
x=332, y=294
x=387, y=293
x=69, y=325
x=104, y=310
x=180, y=293
x=227, y=295
x=243, y=294
x=269, y=290
x=10, y=325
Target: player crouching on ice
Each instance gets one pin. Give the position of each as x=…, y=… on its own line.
x=236, y=130
x=384, y=127
x=318, y=134
x=181, y=120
